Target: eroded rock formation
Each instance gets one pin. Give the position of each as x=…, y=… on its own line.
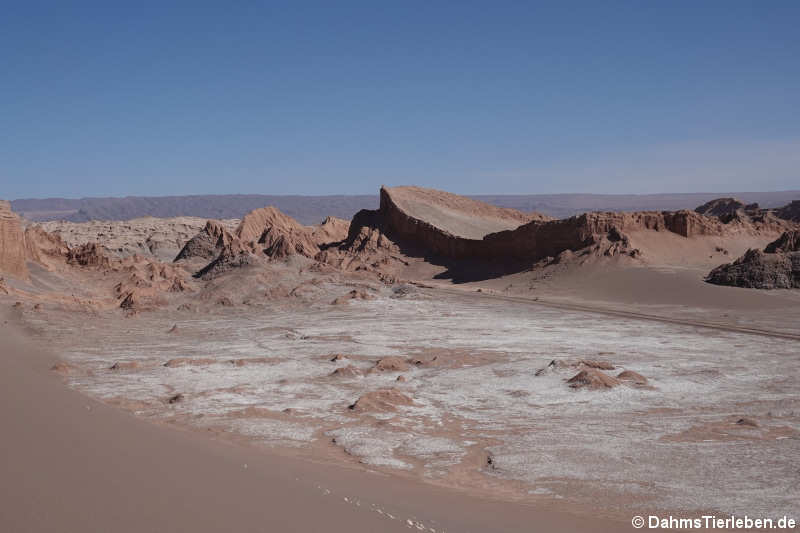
x=777, y=267
x=207, y=244
x=12, y=243
x=428, y=223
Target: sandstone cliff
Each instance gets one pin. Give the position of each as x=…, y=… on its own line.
x=12, y=243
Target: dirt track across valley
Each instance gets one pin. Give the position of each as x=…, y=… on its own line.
x=613, y=312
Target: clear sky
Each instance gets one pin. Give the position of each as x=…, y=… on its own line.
x=140, y=98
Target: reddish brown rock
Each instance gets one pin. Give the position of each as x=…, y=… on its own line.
x=777, y=267
x=381, y=400
x=124, y=365
x=352, y=295
x=390, y=364
x=632, y=377
x=348, y=371
x=12, y=243
x=91, y=255
x=593, y=379
x=45, y=248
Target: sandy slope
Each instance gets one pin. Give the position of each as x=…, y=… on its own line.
x=72, y=464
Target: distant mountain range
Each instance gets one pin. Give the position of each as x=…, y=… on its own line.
x=312, y=209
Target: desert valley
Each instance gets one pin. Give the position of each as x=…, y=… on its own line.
x=604, y=364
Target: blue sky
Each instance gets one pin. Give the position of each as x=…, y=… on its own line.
x=339, y=97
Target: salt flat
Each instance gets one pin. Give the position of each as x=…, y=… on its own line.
x=481, y=417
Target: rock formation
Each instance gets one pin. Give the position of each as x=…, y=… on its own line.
x=425, y=223
x=381, y=400
x=777, y=267
x=592, y=378
x=723, y=208
x=12, y=243
x=45, y=248
x=233, y=255
x=207, y=244
x=263, y=233
x=789, y=212
x=92, y=255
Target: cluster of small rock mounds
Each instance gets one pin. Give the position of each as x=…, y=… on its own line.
x=776, y=267
x=591, y=374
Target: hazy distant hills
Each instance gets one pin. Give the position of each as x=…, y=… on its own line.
x=312, y=209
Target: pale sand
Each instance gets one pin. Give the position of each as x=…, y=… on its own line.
x=73, y=464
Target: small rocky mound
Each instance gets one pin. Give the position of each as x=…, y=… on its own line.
x=207, y=244
x=559, y=364
x=390, y=364
x=348, y=371
x=777, y=267
x=592, y=378
x=633, y=377
x=352, y=295
x=384, y=400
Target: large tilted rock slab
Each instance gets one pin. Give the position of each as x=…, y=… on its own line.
x=458, y=227
x=12, y=243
